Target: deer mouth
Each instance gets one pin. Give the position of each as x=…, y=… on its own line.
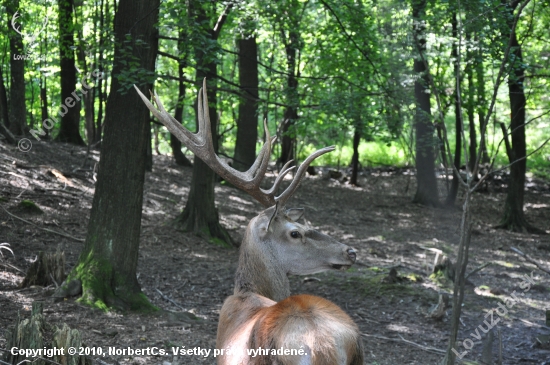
x=340, y=267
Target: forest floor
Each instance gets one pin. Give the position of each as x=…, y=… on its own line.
x=378, y=219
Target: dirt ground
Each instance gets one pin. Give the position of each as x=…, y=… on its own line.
x=378, y=219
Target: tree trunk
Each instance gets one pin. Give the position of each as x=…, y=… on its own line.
x=470, y=107
x=200, y=215
x=247, y=124
x=44, y=102
x=107, y=264
x=87, y=98
x=291, y=112
x=17, y=110
x=451, y=197
x=4, y=119
x=70, y=115
x=481, y=107
x=175, y=143
x=513, y=217
x=426, y=190
x=355, y=157
x=149, y=151
x=100, y=93
x=4, y=114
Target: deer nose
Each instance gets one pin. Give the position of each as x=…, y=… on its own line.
x=352, y=254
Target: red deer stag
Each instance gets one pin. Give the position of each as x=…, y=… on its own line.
x=261, y=323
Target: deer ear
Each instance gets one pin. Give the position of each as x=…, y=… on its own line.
x=294, y=213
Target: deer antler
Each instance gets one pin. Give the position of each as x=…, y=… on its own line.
x=15, y=16
x=201, y=145
x=33, y=38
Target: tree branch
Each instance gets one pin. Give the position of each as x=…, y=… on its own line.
x=221, y=21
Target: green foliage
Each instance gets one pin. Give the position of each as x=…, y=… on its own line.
x=354, y=67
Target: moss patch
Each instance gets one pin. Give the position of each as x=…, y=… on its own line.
x=97, y=276
x=30, y=207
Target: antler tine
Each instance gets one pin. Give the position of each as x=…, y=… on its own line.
x=187, y=138
x=285, y=170
x=285, y=195
x=259, y=167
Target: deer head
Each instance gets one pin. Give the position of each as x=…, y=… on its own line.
x=275, y=244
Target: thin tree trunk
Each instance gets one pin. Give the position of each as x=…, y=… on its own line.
x=107, y=265
x=355, y=156
x=247, y=123
x=149, y=151
x=100, y=93
x=291, y=112
x=426, y=190
x=175, y=143
x=451, y=197
x=17, y=109
x=44, y=102
x=44, y=114
x=69, y=130
x=87, y=98
x=481, y=107
x=470, y=107
x=4, y=116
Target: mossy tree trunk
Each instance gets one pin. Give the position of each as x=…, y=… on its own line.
x=200, y=215
x=107, y=264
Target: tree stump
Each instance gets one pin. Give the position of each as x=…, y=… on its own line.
x=48, y=269
x=66, y=337
x=35, y=333
x=447, y=268
x=27, y=334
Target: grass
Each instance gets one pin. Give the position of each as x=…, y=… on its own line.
x=375, y=153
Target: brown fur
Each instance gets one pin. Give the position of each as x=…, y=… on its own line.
x=325, y=332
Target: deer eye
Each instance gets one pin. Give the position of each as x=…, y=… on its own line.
x=295, y=234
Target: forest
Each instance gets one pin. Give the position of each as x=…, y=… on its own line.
x=329, y=181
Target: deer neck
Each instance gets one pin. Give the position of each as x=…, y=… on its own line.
x=259, y=270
